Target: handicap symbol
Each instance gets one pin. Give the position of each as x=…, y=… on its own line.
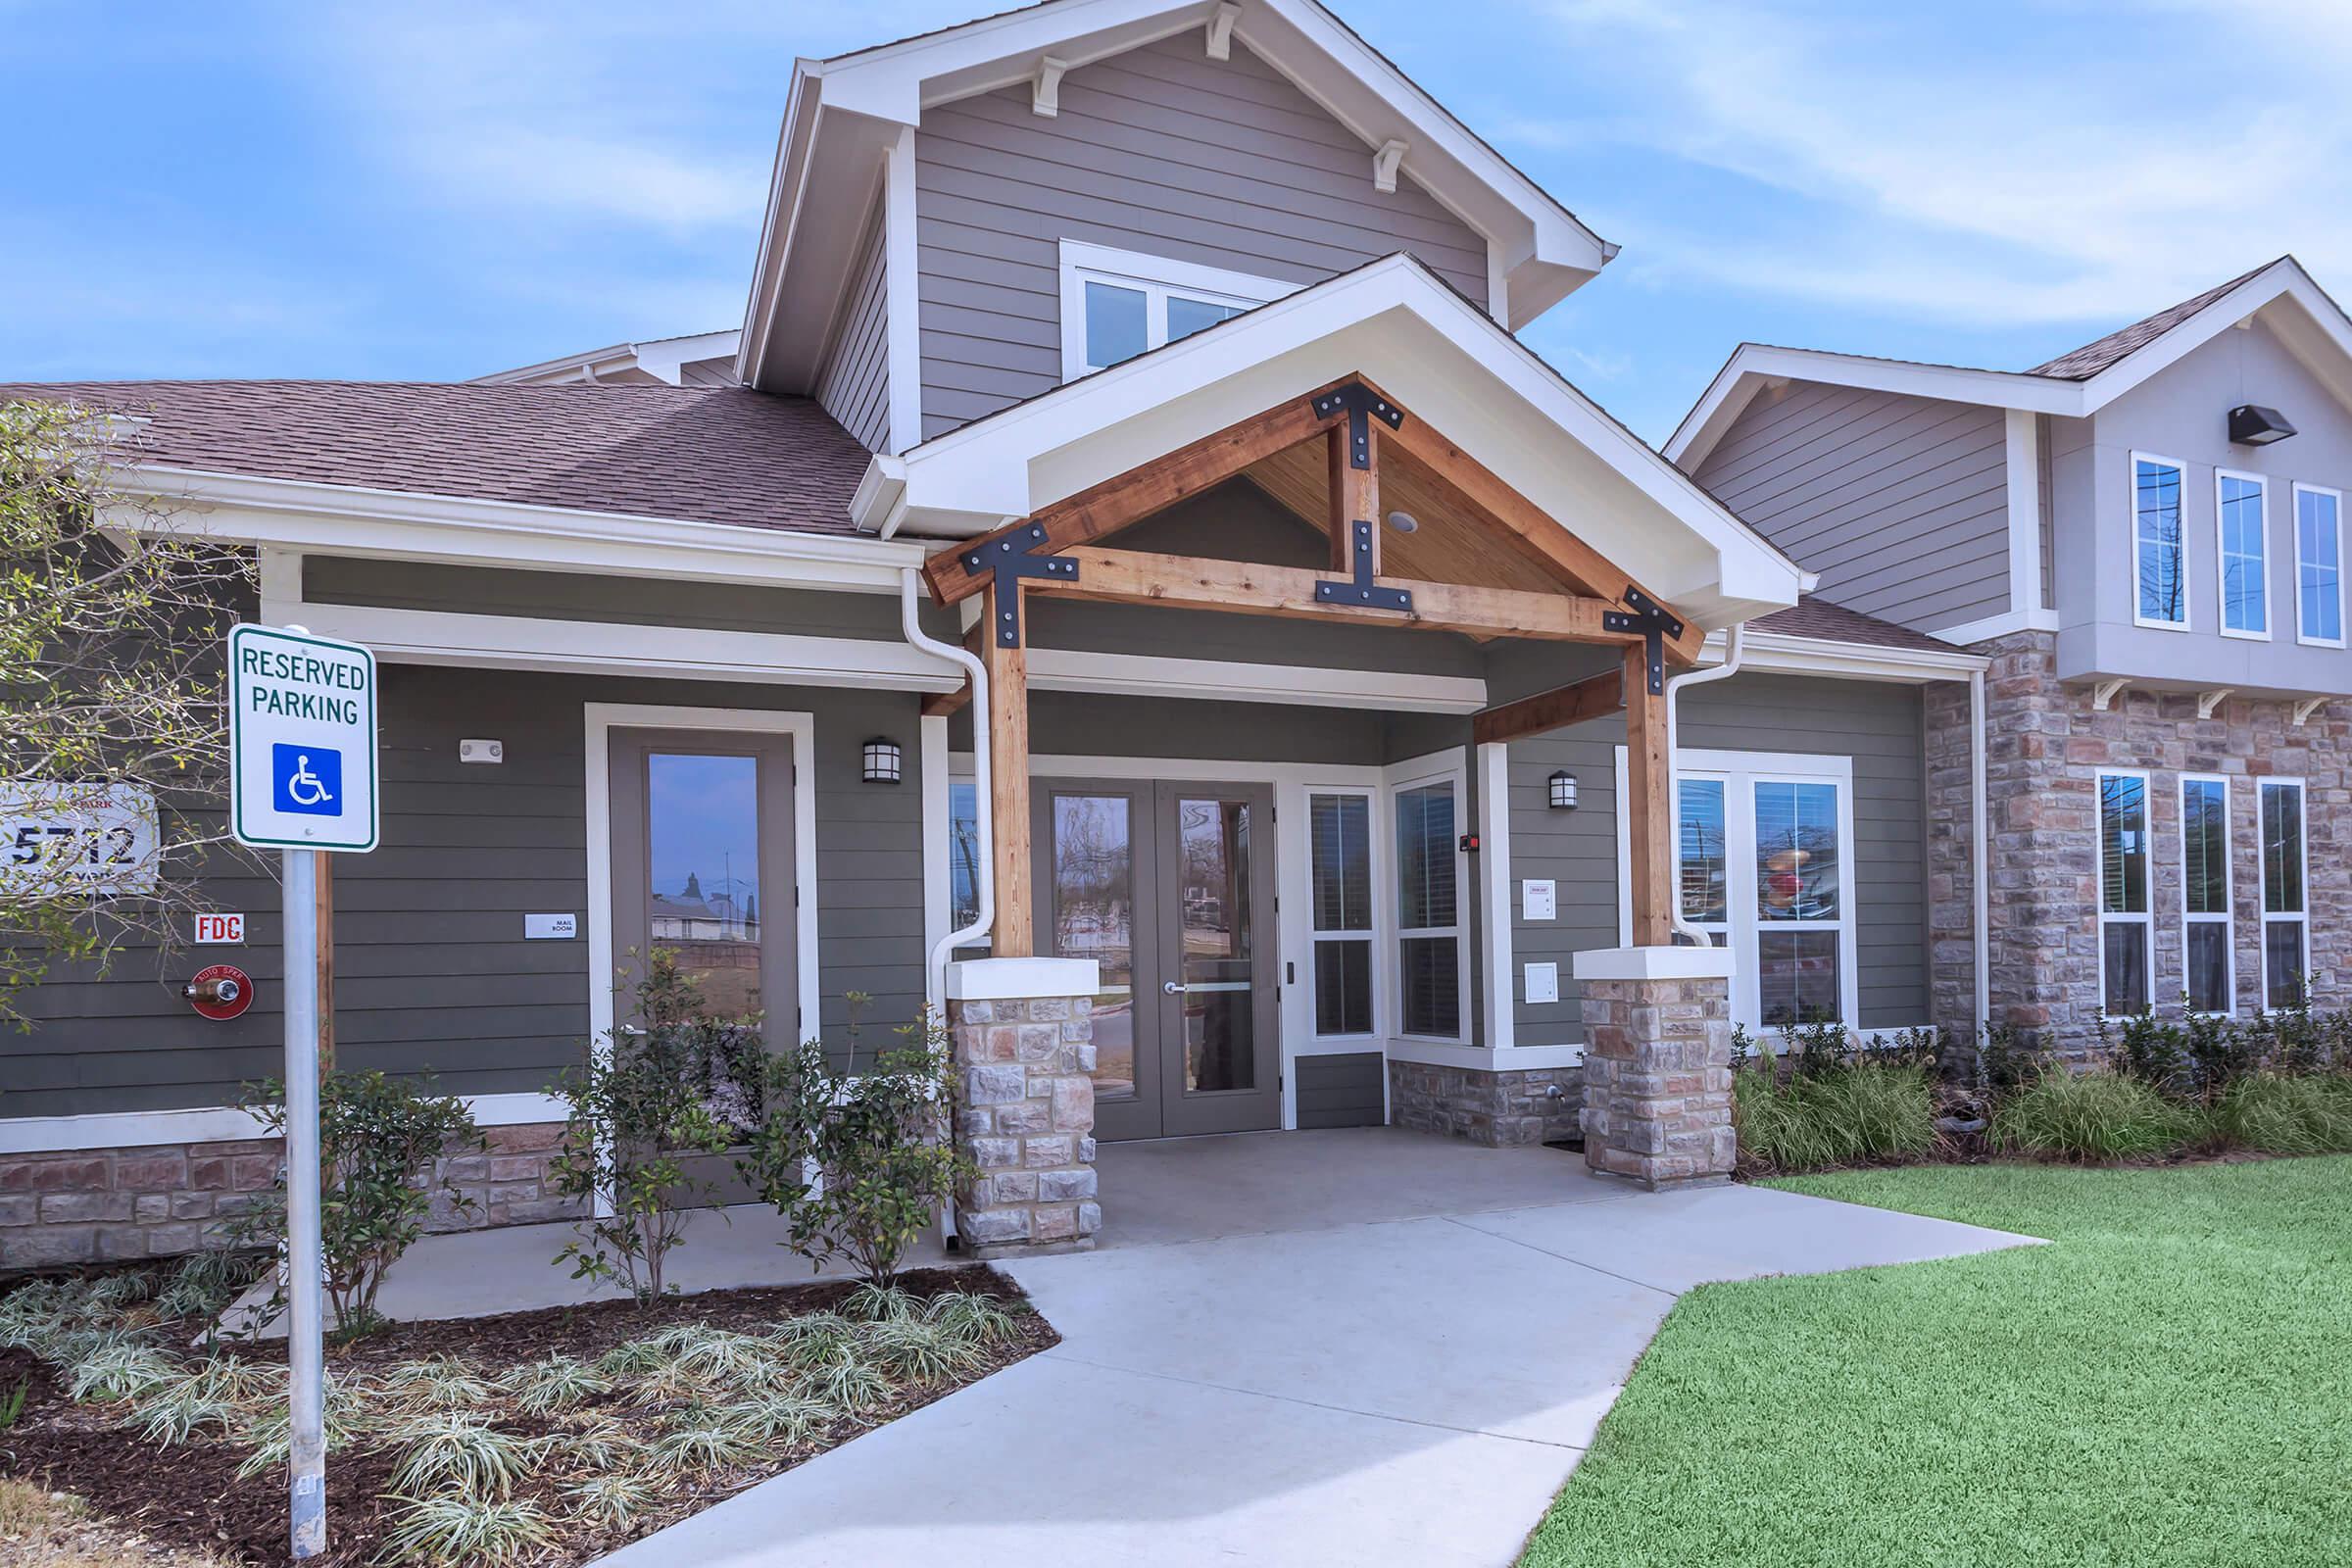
x=307, y=779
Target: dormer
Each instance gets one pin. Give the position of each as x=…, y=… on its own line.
x=965, y=220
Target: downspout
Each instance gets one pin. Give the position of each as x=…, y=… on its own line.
x=1735, y=643
x=1978, y=854
x=984, y=866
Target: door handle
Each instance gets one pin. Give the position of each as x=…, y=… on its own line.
x=1171, y=988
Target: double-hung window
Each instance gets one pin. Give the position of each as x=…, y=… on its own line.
x=2208, y=969
x=2159, y=563
x=1339, y=867
x=2242, y=511
x=1429, y=930
x=2285, y=920
x=1765, y=870
x=2319, y=565
x=1118, y=304
x=2124, y=983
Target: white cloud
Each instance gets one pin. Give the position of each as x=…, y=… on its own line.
x=2054, y=176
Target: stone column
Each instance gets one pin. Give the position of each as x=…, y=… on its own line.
x=1658, y=1064
x=1024, y=1049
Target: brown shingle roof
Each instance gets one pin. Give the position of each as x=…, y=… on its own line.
x=1823, y=621
x=724, y=455
x=2092, y=358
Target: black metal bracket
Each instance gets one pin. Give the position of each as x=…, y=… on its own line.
x=1008, y=561
x=1654, y=626
x=1362, y=406
x=1360, y=589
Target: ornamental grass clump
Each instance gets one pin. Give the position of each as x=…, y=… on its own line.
x=1862, y=1112
x=2092, y=1116
x=554, y=1384
x=450, y=1452
x=447, y=1531
x=2279, y=1114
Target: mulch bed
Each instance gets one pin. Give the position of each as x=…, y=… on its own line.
x=190, y=1495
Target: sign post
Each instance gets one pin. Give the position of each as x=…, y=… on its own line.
x=302, y=779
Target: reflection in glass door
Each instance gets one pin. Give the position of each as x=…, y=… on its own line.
x=1159, y=884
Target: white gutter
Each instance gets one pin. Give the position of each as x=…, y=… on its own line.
x=1979, y=855
x=1735, y=643
x=984, y=863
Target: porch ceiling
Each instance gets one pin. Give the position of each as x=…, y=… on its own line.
x=1446, y=547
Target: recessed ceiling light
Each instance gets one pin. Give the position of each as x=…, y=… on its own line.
x=1404, y=522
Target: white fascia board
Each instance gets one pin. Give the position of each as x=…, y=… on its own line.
x=459, y=640
x=357, y=520
x=1547, y=250
x=1442, y=359
x=667, y=357
x=1782, y=653
x=1754, y=365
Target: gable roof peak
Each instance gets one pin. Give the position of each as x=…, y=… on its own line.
x=2101, y=354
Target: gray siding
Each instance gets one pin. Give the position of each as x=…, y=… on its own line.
x=1343, y=1091
x=1160, y=150
x=617, y=601
x=1876, y=725
x=1900, y=503
x=432, y=971
x=853, y=386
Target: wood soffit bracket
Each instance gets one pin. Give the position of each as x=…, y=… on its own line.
x=1008, y=561
x=1652, y=622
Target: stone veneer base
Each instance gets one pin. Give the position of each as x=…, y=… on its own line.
x=1658, y=1081
x=1493, y=1110
x=1025, y=1115
x=100, y=1205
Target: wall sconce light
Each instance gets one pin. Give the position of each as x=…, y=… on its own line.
x=1563, y=791
x=881, y=760
x=2252, y=425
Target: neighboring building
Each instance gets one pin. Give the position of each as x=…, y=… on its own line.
x=700, y=359
x=1205, y=313
x=2145, y=536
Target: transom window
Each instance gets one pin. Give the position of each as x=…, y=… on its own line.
x=2285, y=922
x=1118, y=304
x=2319, y=565
x=2160, y=584
x=2124, y=984
x=2242, y=508
x=1762, y=840
x=2207, y=966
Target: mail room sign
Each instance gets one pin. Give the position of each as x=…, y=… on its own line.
x=302, y=740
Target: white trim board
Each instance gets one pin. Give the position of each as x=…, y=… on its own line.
x=601, y=720
x=213, y=1124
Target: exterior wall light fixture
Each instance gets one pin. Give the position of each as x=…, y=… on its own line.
x=1563, y=791
x=2253, y=425
x=881, y=760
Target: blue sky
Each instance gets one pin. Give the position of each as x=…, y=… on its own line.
x=429, y=190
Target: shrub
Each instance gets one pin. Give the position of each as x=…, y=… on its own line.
x=1838, y=1117
x=2288, y=1115
x=378, y=1137
x=859, y=1163
x=2091, y=1116
x=639, y=1111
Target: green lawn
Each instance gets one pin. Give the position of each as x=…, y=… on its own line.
x=2169, y=1384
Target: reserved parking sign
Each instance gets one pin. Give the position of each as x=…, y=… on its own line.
x=301, y=741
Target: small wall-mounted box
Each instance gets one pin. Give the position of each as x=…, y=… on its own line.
x=481, y=751
x=1543, y=982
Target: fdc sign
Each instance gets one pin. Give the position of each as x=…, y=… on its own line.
x=302, y=741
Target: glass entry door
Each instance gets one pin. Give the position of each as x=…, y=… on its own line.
x=1170, y=888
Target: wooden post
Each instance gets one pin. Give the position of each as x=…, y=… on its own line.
x=325, y=904
x=1354, y=495
x=1008, y=775
x=1650, y=816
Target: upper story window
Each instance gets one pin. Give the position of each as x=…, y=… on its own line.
x=2319, y=565
x=2159, y=567
x=1118, y=304
x=2242, y=508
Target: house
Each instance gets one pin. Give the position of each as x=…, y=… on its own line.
x=2145, y=539
x=1131, y=544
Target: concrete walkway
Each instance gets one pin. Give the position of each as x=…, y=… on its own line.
x=1300, y=1349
